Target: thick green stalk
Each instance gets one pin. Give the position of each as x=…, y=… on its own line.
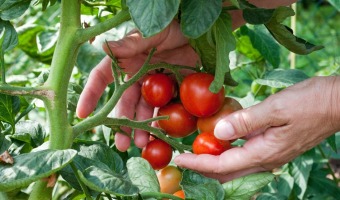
x=61, y=69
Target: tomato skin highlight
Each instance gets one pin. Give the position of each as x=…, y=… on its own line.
x=196, y=96
x=207, y=124
x=158, y=153
x=169, y=178
x=207, y=143
x=158, y=89
x=180, y=123
x=180, y=194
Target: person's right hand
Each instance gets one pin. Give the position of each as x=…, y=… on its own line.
x=131, y=52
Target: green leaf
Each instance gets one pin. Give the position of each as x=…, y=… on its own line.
x=107, y=181
x=88, y=57
x=257, y=15
x=33, y=166
x=6, y=109
x=33, y=129
x=198, y=16
x=12, y=9
x=264, y=43
x=103, y=153
x=245, y=187
x=284, y=35
x=200, y=187
x=318, y=184
x=300, y=169
x=81, y=163
x=29, y=43
x=335, y=3
x=332, y=143
x=152, y=16
x=270, y=196
x=142, y=175
x=8, y=36
x=225, y=43
x=46, y=41
x=280, y=78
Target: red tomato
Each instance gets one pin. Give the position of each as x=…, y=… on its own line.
x=158, y=153
x=169, y=178
x=180, y=194
x=158, y=89
x=207, y=124
x=180, y=123
x=207, y=143
x=196, y=96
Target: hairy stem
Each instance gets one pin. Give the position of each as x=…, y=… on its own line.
x=36, y=92
x=90, y=32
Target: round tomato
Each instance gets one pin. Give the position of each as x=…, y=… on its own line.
x=169, y=178
x=158, y=153
x=207, y=143
x=158, y=89
x=207, y=124
x=196, y=96
x=180, y=194
x=180, y=123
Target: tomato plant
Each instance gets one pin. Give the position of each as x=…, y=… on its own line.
x=158, y=153
x=196, y=96
x=169, y=178
x=180, y=123
x=158, y=89
x=207, y=124
x=207, y=143
x=49, y=50
x=180, y=194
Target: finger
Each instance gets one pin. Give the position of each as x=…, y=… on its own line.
x=247, y=121
x=134, y=43
x=98, y=79
x=233, y=160
x=223, y=178
x=126, y=108
x=143, y=112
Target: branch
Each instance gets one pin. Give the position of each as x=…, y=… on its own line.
x=36, y=92
x=91, y=32
x=145, y=125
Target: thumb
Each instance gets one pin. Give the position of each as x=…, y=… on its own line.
x=244, y=122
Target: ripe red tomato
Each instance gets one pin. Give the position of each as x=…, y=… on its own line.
x=207, y=143
x=158, y=153
x=180, y=194
x=207, y=124
x=196, y=96
x=169, y=178
x=158, y=89
x=180, y=123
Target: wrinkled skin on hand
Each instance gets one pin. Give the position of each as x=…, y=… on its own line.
x=277, y=130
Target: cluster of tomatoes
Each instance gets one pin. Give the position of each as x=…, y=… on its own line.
x=197, y=108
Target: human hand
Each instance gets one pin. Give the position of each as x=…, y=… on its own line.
x=277, y=130
x=131, y=52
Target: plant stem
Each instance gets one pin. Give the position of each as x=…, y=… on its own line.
x=36, y=92
x=90, y=32
x=40, y=191
x=328, y=165
x=82, y=185
x=3, y=70
x=61, y=69
x=293, y=27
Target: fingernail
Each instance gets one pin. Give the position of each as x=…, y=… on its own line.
x=114, y=44
x=224, y=130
